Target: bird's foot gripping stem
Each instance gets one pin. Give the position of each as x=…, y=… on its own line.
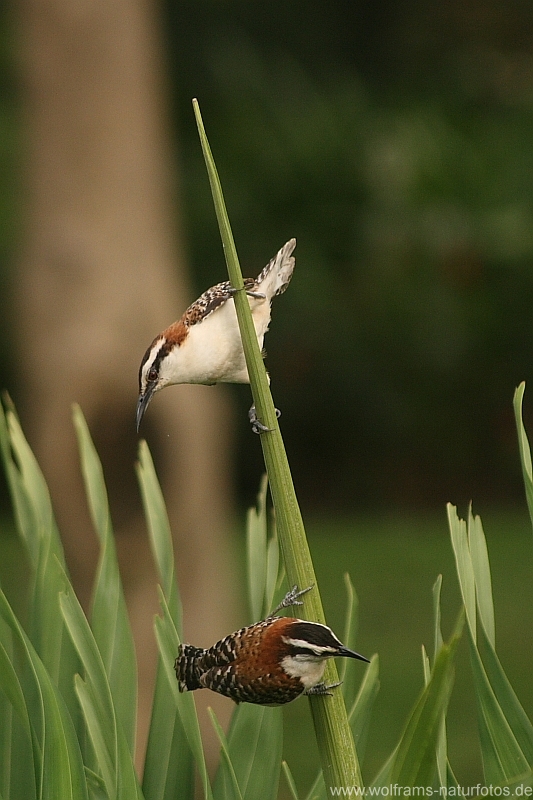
x=255, y=422
x=291, y=598
x=322, y=689
x=257, y=295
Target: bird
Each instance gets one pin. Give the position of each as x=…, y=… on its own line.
x=270, y=663
x=204, y=346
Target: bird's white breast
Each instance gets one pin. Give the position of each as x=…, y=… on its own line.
x=309, y=669
x=212, y=351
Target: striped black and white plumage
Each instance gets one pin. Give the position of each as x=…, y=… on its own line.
x=204, y=346
x=269, y=663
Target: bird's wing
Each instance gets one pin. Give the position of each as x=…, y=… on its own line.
x=210, y=300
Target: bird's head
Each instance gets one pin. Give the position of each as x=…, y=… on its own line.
x=160, y=365
x=312, y=640
x=306, y=648
x=153, y=373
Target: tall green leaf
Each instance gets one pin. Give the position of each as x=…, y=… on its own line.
x=361, y=711
x=415, y=761
x=290, y=781
x=523, y=444
x=57, y=757
x=38, y=531
x=109, y=617
x=256, y=553
x=168, y=641
x=463, y=563
x=503, y=758
x=25, y=517
x=255, y=741
x=17, y=771
x=39, y=523
x=330, y=719
x=480, y=563
x=441, y=746
x=348, y=672
x=169, y=761
x=502, y=726
x=169, y=765
x=159, y=532
x=506, y=697
x=232, y=789
x=107, y=736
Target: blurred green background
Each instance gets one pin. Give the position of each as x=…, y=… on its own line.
x=394, y=141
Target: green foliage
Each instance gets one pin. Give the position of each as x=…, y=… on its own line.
x=66, y=731
x=389, y=145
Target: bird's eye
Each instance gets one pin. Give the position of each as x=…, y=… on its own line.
x=152, y=375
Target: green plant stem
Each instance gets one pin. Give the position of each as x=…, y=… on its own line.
x=334, y=737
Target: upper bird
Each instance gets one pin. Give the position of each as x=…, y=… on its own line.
x=205, y=346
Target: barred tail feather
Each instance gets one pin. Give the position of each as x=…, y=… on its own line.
x=275, y=277
x=188, y=669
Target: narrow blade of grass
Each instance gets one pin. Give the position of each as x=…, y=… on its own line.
x=480, y=563
x=442, y=745
x=42, y=523
x=383, y=778
x=47, y=628
x=512, y=709
x=503, y=757
x=231, y=786
x=57, y=758
x=463, y=563
x=437, y=632
x=318, y=789
x=25, y=518
x=109, y=617
x=274, y=576
x=17, y=769
x=256, y=553
x=12, y=688
x=255, y=742
x=415, y=762
x=94, y=719
x=290, y=781
x=168, y=642
x=38, y=531
x=95, y=696
x=361, y=710
x=348, y=671
x=334, y=738
x=159, y=532
x=169, y=760
x=523, y=444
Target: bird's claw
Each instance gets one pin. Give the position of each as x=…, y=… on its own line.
x=257, y=426
x=257, y=295
x=291, y=598
x=321, y=689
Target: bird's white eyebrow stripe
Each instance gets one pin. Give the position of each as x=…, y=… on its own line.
x=302, y=643
x=154, y=355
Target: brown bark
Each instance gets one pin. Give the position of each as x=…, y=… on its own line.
x=101, y=273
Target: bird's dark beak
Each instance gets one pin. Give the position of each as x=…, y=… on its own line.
x=347, y=653
x=142, y=404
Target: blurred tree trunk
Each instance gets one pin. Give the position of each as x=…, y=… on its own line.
x=101, y=274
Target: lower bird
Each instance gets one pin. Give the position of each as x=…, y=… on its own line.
x=205, y=346
x=270, y=663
